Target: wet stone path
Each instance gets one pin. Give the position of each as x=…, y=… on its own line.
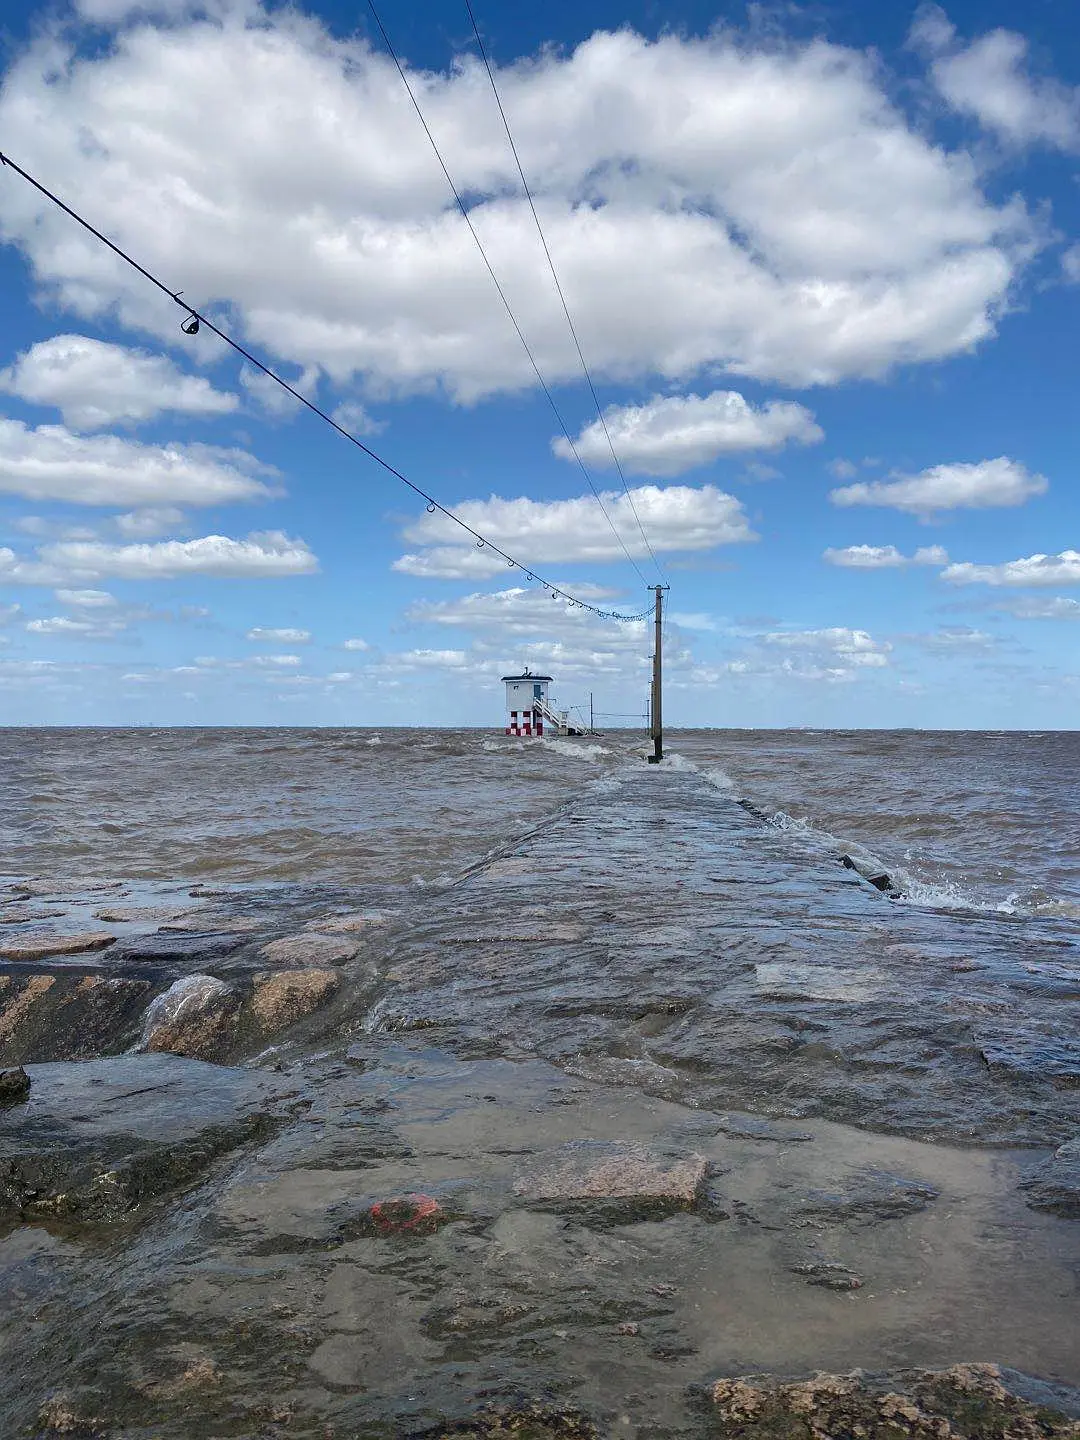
x=648, y=1102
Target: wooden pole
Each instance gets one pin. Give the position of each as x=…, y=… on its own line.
x=656, y=719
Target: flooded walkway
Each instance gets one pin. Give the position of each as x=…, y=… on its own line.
x=649, y=1101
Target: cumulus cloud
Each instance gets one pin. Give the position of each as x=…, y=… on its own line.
x=94, y=384
x=849, y=647
x=269, y=555
x=261, y=635
x=1063, y=569
x=673, y=433
x=990, y=80
x=1070, y=264
x=984, y=485
x=520, y=611
x=799, y=229
x=53, y=463
x=356, y=644
x=884, y=557
x=539, y=532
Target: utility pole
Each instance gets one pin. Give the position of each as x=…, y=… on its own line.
x=656, y=721
x=592, y=728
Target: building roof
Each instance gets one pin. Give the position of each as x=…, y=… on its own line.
x=527, y=676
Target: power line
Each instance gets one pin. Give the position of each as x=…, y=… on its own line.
x=196, y=320
x=502, y=296
x=558, y=287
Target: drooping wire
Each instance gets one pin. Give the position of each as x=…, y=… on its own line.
x=502, y=296
x=196, y=319
x=558, y=287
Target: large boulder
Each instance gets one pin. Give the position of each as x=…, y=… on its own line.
x=281, y=997
x=196, y=1017
x=69, y=1015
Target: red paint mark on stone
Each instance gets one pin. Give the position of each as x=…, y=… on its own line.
x=405, y=1213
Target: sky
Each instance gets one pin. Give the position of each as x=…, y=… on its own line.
x=822, y=264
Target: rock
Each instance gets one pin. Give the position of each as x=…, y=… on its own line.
x=592, y=1170
x=67, y=1016
x=828, y=1276
x=873, y=875
x=65, y=885
x=24, y=915
x=819, y=982
x=347, y=924
x=310, y=948
x=196, y=1017
x=202, y=923
x=407, y=1214
x=103, y=1137
x=864, y=1198
x=40, y=944
x=139, y=914
x=14, y=1086
x=159, y=948
x=1055, y=1186
x=281, y=997
x=965, y=1402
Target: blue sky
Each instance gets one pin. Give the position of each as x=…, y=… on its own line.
x=824, y=263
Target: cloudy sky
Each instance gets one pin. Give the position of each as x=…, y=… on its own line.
x=822, y=261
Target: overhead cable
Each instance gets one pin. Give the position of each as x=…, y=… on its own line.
x=502, y=296
x=195, y=320
x=558, y=288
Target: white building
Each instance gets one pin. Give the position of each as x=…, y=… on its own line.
x=527, y=705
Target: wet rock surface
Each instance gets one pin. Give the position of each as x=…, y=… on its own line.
x=1055, y=1185
x=548, y=1175
x=969, y=1402
x=14, y=1086
x=40, y=945
x=102, y=1139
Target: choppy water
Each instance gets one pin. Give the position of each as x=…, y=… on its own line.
x=963, y=820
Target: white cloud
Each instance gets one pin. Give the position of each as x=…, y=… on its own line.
x=680, y=517
x=798, y=228
x=352, y=416
x=269, y=554
x=980, y=486
x=1070, y=264
x=519, y=611
x=52, y=463
x=150, y=523
x=842, y=469
x=356, y=644
x=884, y=557
x=1063, y=569
x=95, y=384
x=954, y=639
x=848, y=647
x=989, y=80
x=673, y=433
x=100, y=628
x=86, y=599
x=260, y=634
x=450, y=562
x=1034, y=607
